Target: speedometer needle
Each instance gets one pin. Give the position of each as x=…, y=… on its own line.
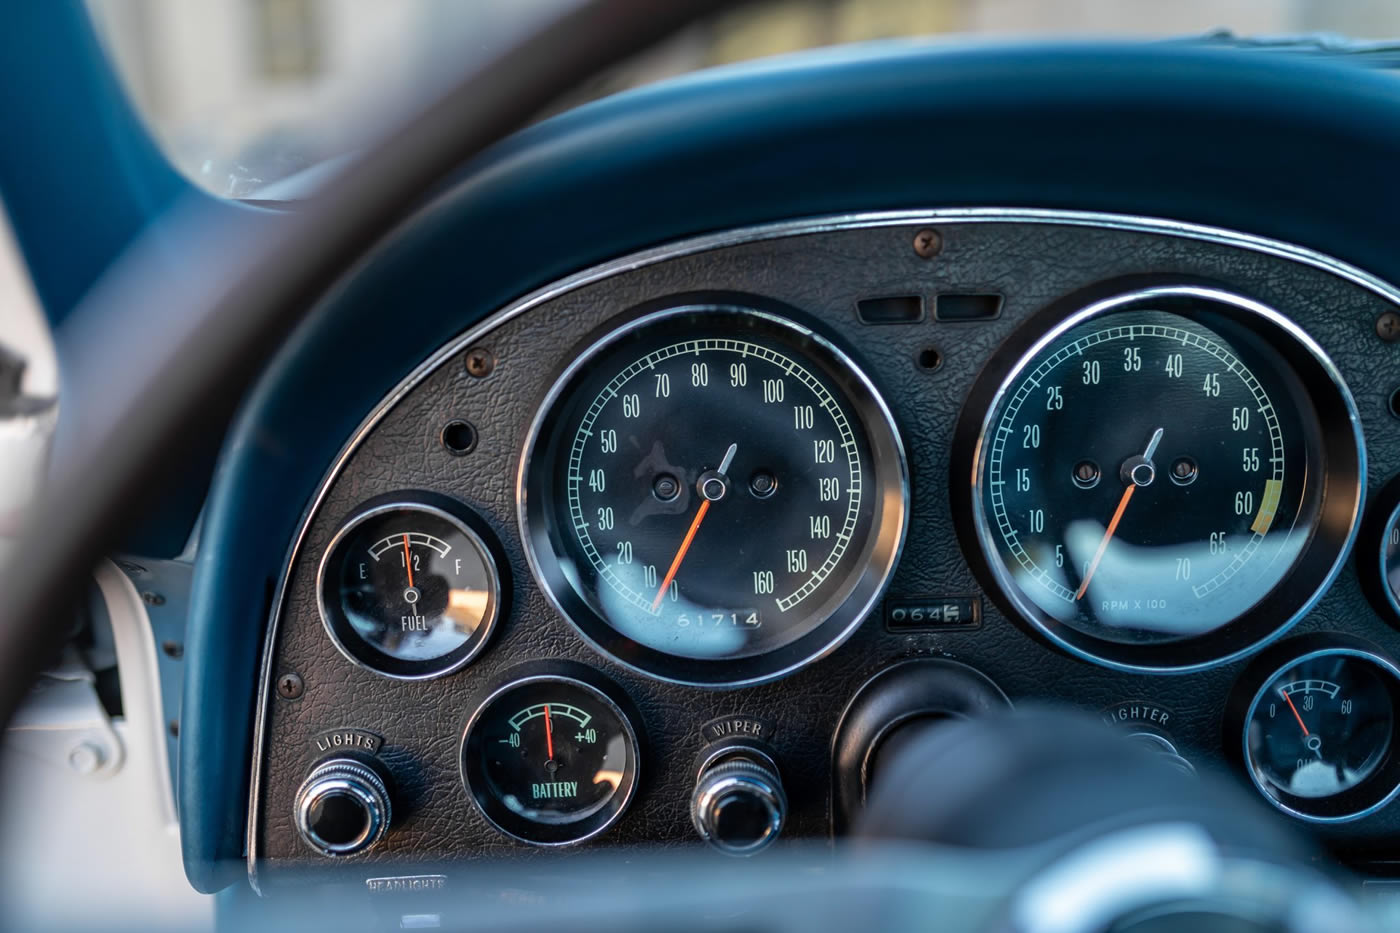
x=1137, y=471
x=706, y=497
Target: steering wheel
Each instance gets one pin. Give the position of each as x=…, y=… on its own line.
x=153, y=356
x=243, y=290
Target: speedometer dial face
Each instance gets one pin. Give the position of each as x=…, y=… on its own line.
x=1151, y=475
x=713, y=495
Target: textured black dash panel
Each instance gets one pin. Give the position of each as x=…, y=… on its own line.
x=824, y=275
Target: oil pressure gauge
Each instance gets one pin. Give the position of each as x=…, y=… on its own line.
x=552, y=759
x=1320, y=733
x=409, y=587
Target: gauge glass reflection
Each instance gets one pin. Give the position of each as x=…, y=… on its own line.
x=1145, y=476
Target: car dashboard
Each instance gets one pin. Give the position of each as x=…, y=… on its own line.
x=683, y=541
x=677, y=547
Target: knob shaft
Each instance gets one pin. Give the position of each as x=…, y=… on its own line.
x=739, y=806
x=342, y=807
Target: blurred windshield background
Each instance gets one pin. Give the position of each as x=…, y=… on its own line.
x=243, y=94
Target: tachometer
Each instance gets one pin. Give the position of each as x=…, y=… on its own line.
x=1167, y=479
x=713, y=494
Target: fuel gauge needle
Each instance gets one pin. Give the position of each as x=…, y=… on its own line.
x=408, y=562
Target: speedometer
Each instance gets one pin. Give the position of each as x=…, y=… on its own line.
x=713, y=494
x=1166, y=479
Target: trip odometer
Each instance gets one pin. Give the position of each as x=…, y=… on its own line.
x=713, y=494
x=1167, y=478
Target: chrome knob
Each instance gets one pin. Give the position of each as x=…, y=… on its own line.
x=739, y=806
x=342, y=807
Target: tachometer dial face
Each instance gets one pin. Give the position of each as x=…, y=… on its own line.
x=713, y=495
x=1319, y=734
x=1151, y=474
x=550, y=760
x=408, y=588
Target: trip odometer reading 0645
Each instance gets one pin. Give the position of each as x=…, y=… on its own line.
x=713, y=495
x=1150, y=475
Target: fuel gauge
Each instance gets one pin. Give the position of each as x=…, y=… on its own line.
x=409, y=588
x=1320, y=734
x=550, y=759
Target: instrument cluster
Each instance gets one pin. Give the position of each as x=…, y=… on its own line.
x=719, y=526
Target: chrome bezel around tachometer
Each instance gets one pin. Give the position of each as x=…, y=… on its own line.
x=1334, y=486
x=870, y=565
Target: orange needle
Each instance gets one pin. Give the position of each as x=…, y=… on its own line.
x=407, y=561
x=694, y=527
x=680, y=554
x=1103, y=545
x=1289, y=700
x=1130, y=476
x=548, y=733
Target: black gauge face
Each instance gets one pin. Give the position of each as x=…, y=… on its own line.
x=713, y=495
x=1148, y=477
x=1390, y=560
x=409, y=589
x=550, y=760
x=1319, y=734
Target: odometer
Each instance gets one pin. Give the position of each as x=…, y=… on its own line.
x=1149, y=480
x=713, y=494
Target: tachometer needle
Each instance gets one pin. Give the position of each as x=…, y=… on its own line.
x=1137, y=471
x=548, y=733
x=690, y=534
x=408, y=562
x=1103, y=545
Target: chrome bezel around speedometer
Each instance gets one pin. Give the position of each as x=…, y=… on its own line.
x=858, y=574
x=1329, y=493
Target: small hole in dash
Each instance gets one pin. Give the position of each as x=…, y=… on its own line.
x=459, y=438
x=930, y=359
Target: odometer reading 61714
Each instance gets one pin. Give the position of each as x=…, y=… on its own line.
x=714, y=489
x=1149, y=476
